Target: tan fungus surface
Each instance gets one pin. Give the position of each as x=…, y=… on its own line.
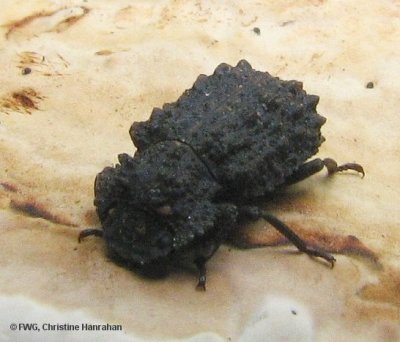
x=76, y=74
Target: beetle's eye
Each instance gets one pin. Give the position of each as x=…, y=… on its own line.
x=164, y=210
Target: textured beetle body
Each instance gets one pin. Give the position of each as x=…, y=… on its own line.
x=167, y=215
x=235, y=136
x=252, y=130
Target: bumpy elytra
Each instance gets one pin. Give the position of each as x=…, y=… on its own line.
x=235, y=137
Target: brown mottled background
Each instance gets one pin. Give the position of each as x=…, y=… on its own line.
x=76, y=74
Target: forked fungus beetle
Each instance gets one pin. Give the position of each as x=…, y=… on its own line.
x=235, y=137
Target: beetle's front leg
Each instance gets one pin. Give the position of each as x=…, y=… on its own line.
x=90, y=231
x=201, y=266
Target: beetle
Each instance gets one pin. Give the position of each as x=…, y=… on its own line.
x=235, y=138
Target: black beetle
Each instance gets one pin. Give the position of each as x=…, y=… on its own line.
x=235, y=137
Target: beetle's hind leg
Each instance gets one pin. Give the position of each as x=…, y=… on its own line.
x=309, y=168
x=302, y=246
x=333, y=167
x=297, y=240
x=91, y=231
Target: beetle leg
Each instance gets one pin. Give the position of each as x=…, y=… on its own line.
x=91, y=231
x=304, y=171
x=254, y=213
x=309, y=168
x=201, y=265
x=333, y=167
x=297, y=240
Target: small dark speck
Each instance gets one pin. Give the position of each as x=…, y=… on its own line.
x=26, y=71
x=257, y=31
x=294, y=312
x=285, y=23
x=369, y=85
